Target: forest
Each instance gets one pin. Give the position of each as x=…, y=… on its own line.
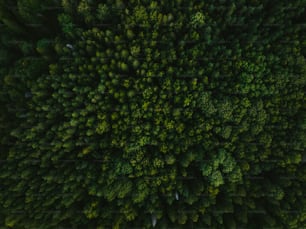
x=152, y=114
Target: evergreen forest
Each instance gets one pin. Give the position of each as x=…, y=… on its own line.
x=125, y=114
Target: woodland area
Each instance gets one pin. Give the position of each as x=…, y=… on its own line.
x=152, y=114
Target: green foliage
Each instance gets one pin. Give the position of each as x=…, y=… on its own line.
x=102, y=12
x=66, y=23
x=198, y=19
x=123, y=114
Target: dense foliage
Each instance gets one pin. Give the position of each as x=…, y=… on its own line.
x=166, y=114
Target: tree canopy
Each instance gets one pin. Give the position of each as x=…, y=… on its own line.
x=166, y=114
